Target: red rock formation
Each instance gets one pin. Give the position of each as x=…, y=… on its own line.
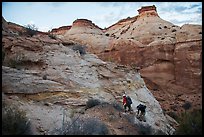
x=11, y=27
x=15, y=27
x=167, y=70
x=20, y=29
x=171, y=67
x=61, y=30
x=147, y=8
x=148, y=11
x=84, y=23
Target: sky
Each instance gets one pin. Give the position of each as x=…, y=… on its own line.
x=48, y=15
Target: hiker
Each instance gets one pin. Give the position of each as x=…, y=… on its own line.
x=141, y=111
x=127, y=102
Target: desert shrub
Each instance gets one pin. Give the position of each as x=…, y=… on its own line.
x=92, y=102
x=15, y=61
x=44, y=77
x=165, y=27
x=173, y=115
x=14, y=121
x=107, y=34
x=31, y=29
x=187, y=105
x=117, y=106
x=80, y=49
x=174, y=107
x=144, y=130
x=89, y=126
x=130, y=119
x=52, y=36
x=174, y=30
x=190, y=123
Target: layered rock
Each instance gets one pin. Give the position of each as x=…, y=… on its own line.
x=60, y=31
x=10, y=28
x=168, y=56
x=51, y=72
x=147, y=11
x=145, y=28
x=156, y=48
x=85, y=23
x=86, y=33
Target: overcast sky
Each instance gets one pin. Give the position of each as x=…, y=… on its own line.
x=48, y=15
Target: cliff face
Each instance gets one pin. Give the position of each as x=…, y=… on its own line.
x=87, y=33
x=45, y=78
x=10, y=28
x=155, y=54
x=167, y=56
x=60, y=31
x=148, y=11
x=84, y=23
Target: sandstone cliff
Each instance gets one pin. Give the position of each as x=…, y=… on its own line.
x=167, y=56
x=87, y=33
x=60, y=31
x=44, y=77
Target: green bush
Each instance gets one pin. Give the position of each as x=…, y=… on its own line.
x=14, y=121
x=190, y=123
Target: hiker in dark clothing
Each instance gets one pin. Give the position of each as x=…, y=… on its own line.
x=141, y=111
x=127, y=102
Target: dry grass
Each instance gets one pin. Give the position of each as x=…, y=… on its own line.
x=14, y=121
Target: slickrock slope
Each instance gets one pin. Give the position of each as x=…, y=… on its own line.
x=45, y=78
x=167, y=56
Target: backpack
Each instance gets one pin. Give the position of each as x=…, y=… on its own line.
x=129, y=101
x=141, y=107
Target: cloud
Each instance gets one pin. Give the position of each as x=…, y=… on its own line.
x=57, y=4
x=175, y=12
x=102, y=14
